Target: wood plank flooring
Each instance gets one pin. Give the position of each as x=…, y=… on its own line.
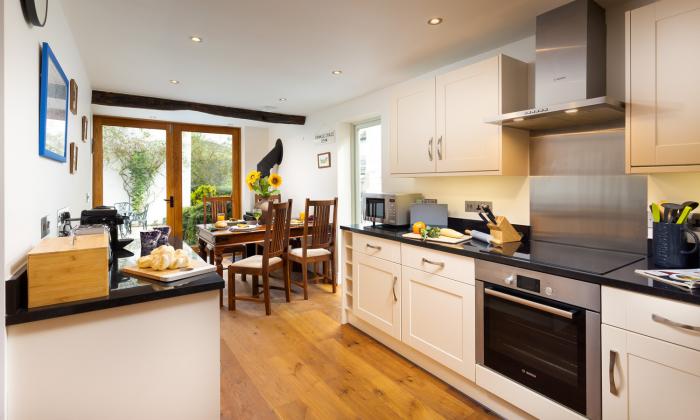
x=300, y=363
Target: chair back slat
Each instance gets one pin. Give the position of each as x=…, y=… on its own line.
x=277, y=222
x=319, y=232
x=216, y=205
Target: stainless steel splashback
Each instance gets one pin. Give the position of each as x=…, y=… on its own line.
x=580, y=195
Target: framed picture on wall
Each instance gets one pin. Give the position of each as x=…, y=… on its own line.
x=324, y=160
x=53, y=107
x=72, y=156
x=84, y=129
x=73, y=97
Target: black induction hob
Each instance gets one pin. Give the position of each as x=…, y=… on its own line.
x=588, y=260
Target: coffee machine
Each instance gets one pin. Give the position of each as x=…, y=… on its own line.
x=111, y=219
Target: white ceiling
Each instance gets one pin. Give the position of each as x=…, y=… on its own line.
x=257, y=51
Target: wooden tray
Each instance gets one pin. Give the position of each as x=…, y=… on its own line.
x=441, y=239
x=199, y=267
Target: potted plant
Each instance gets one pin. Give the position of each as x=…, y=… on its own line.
x=264, y=187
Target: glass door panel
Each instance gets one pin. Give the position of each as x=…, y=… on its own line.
x=134, y=175
x=207, y=170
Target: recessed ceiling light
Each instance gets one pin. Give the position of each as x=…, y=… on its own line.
x=435, y=21
x=195, y=38
x=282, y=99
x=337, y=72
x=571, y=111
x=518, y=119
x=175, y=82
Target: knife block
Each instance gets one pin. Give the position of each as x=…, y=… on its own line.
x=503, y=232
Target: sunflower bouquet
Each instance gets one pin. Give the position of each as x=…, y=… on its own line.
x=263, y=186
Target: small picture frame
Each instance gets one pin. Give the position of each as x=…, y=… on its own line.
x=73, y=97
x=324, y=160
x=73, y=158
x=75, y=161
x=84, y=135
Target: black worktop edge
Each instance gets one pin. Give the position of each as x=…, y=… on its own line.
x=212, y=282
x=602, y=280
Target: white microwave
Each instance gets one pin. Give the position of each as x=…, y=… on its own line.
x=388, y=209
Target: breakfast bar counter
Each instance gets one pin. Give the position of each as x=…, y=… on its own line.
x=143, y=341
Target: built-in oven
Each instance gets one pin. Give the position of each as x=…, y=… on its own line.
x=386, y=208
x=542, y=331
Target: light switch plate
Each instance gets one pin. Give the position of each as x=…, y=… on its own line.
x=475, y=206
x=45, y=226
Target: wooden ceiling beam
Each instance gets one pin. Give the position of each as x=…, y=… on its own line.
x=146, y=102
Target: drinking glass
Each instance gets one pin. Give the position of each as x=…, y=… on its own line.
x=257, y=213
x=220, y=217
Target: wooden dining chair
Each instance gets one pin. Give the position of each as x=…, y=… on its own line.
x=273, y=258
x=215, y=205
x=318, y=242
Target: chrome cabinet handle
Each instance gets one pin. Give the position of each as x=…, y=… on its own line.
x=535, y=305
x=438, y=263
x=393, y=288
x=611, y=372
x=430, y=149
x=439, y=148
x=666, y=321
x=378, y=248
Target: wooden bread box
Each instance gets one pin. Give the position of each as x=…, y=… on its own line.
x=60, y=270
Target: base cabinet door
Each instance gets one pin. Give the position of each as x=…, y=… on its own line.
x=646, y=378
x=377, y=293
x=438, y=319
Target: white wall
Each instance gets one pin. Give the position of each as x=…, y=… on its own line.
x=3, y=336
x=38, y=186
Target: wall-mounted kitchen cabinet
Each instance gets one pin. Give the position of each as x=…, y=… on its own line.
x=437, y=125
x=663, y=87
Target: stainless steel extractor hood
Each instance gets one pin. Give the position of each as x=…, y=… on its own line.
x=569, y=72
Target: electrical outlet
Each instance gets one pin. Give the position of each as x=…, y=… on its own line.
x=476, y=206
x=45, y=226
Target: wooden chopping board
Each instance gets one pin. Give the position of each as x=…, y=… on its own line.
x=198, y=267
x=441, y=239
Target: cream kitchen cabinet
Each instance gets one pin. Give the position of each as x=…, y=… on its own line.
x=647, y=378
x=437, y=125
x=438, y=319
x=376, y=292
x=650, y=356
x=663, y=87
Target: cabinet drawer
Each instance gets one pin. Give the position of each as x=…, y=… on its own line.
x=447, y=265
x=377, y=247
x=665, y=319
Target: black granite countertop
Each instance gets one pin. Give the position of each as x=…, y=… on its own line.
x=124, y=290
x=623, y=278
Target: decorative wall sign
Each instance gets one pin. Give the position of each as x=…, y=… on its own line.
x=73, y=97
x=324, y=137
x=85, y=129
x=53, y=107
x=324, y=160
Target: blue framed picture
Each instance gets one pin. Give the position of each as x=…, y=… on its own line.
x=53, y=107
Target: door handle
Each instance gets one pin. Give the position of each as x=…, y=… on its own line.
x=393, y=288
x=171, y=201
x=611, y=372
x=438, y=263
x=430, y=149
x=674, y=324
x=439, y=148
x=529, y=303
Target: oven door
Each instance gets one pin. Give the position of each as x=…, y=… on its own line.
x=375, y=209
x=542, y=344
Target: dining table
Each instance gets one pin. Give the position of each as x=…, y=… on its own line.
x=214, y=242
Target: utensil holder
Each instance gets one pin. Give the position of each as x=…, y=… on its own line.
x=503, y=232
x=671, y=247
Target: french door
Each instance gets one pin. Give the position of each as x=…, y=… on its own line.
x=157, y=171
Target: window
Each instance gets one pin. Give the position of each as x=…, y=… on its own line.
x=368, y=162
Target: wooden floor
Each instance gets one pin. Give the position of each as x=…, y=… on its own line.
x=300, y=363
